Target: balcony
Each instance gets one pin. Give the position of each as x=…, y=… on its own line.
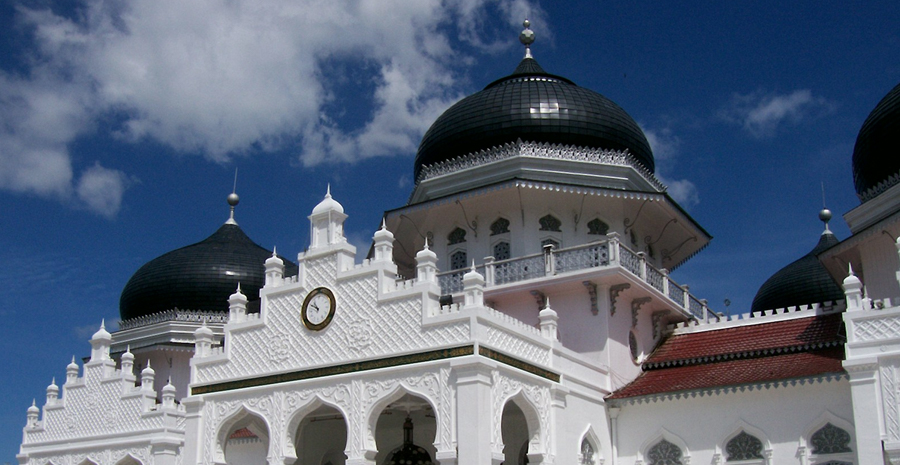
x=601, y=254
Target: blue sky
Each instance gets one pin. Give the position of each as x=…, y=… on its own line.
x=121, y=128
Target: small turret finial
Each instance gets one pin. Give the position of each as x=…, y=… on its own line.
x=527, y=37
x=328, y=191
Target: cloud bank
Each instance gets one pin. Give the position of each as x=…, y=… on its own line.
x=761, y=115
x=666, y=147
x=227, y=78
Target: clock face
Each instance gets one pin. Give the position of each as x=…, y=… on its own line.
x=318, y=308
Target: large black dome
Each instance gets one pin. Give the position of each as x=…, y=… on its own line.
x=876, y=157
x=803, y=282
x=200, y=276
x=534, y=106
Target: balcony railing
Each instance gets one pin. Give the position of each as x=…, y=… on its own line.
x=594, y=255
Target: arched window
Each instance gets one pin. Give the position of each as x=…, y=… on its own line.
x=501, y=251
x=550, y=223
x=744, y=447
x=633, y=347
x=830, y=439
x=597, y=227
x=664, y=453
x=458, y=260
x=457, y=236
x=501, y=226
x=587, y=452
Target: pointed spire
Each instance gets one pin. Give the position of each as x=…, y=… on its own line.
x=274, y=251
x=328, y=191
x=103, y=323
x=383, y=223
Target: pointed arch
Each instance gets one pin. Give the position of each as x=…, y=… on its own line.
x=829, y=438
x=295, y=419
x=592, y=456
x=662, y=442
x=241, y=417
x=129, y=459
x=395, y=394
x=532, y=422
x=736, y=430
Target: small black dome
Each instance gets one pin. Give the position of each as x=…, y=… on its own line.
x=803, y=282
x=876, y=157
x=534, y=106
x=200, y=276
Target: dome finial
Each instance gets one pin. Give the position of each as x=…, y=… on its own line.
x=825, y=213
x=527, y=37
x=233, y=200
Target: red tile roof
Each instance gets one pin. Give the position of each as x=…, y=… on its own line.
x=242, y=433
x=796, y=334
x=779, y=350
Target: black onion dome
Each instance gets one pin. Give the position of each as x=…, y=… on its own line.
x=803, y=282
x=534, y=106
x=200, y=276
x=876, y=156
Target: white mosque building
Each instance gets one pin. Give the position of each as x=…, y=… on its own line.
x=518, y=309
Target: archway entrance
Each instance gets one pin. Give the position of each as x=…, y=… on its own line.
x=405, y=431
x=321, y=438
x=514, y=430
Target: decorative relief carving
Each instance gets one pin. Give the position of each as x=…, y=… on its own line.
x=359, y=334
x=592, y=291
x=889, y=400
x=636, y=305
x=657, y=317
x=361, y=328
x=614, y=292
x=880, y=328
x=517, y=346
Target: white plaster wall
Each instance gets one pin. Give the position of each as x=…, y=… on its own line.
x=880, y=264
x=249, y=451
x=783, y=414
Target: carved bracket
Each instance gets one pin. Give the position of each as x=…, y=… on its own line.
x=540, y=298
x=636, y=305
x=614, y=291
x=592, y=290
x=657, y=317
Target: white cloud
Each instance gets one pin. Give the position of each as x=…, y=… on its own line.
x=761, y=115
x=101, y=189
x=666, y=147
x=230, y=78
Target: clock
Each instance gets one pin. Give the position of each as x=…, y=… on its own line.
x=318, y=309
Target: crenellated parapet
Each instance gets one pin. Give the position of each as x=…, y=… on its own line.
x=101, y=407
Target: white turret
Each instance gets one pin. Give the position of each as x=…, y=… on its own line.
x=52, y=392
x=237, y=306
x=100, y=342
x=274, y=270
x=327, y=223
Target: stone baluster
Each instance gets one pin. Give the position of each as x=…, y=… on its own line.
x=613, y=248
x=549, y=262
x=642, y=260
x=665, y=280
x=489, y=270
x=687, y=297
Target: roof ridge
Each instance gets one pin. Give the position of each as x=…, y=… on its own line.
x=745, y=354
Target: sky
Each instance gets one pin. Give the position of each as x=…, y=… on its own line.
x=122, y=125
